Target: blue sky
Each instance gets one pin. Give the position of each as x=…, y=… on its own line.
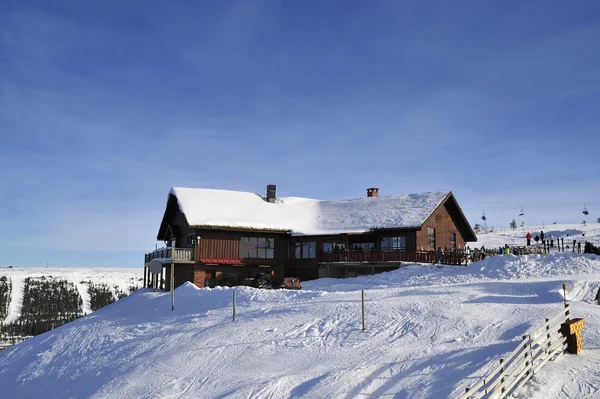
x=105, y=105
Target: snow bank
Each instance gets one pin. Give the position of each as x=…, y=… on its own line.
x=429, y=332
x=502, y=267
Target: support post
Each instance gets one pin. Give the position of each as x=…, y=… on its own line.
x=565, y=295
x=172, y=285
x=526, y=356
x=363, y=308
x=145, y=272
x=502, y=375
x=234, y=305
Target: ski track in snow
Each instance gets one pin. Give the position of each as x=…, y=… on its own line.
x=16, y=297
x=83, y=291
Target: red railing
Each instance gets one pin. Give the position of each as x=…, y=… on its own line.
x=375, y=256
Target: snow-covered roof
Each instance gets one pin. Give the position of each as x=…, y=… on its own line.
x=304, y=216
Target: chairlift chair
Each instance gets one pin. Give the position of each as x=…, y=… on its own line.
x=585, y=211
x=521, y=213
x=483, y=215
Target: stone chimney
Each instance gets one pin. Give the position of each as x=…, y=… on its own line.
x=271, y=192
x=373, y=192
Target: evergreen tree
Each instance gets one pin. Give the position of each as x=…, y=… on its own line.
x=477, y=228
x=513, y=224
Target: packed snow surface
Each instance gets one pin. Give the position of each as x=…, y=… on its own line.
x=430, y=332
x=224, y=208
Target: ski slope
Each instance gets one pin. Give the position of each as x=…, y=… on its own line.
x=430, y=332
x=567, y=232
x=122, y=278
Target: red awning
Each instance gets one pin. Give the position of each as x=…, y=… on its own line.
x=209, y=261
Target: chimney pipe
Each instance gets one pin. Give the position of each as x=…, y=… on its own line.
x=271, y=192
x=372, y=192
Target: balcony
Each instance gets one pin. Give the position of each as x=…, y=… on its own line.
x=168, y=255
x=377, y=256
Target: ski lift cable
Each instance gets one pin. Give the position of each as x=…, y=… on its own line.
x=516, y=207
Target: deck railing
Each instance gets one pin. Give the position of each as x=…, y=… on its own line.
x=376, y=256
x=171, y=254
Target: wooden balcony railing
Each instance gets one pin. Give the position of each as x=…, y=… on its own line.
x=179, y=255
x=377, y=256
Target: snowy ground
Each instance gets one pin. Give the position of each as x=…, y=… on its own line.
x=122, y=278
x=430, y=332
x=500, y=237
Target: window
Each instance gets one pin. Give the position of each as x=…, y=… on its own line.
x=393, y=244
x=430, y=238
x=304, y=250
x=254, y=247
x=362, y=246
x=452, y=240
x=329, y=247
x=189, y=240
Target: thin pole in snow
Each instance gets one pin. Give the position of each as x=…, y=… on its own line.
x=172, y=285
x=363, y=308
x=233, y=305
x=565, y=294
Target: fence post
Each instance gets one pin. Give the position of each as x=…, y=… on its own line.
x=234, y=305
x=548, y=334
x=363, y=308
x=527, y=354
x=530, y=355
x=502, y=374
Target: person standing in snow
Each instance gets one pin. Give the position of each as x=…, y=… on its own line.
x=542, y=237
x=439, y=254
x=528, y=236
x=506, y=249
x=536, y=238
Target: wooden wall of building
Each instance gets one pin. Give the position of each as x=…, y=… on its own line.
x=443, y=224
x=221, y=244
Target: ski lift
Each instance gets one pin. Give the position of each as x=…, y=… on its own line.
x=483, y=215
x=521, y=213
x=585, y=211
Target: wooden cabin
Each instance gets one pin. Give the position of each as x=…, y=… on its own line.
x=221, y=237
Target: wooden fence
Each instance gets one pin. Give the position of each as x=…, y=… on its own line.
x=378, y=256
x=538, y=347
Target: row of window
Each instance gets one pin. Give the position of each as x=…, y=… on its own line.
x=253, y=247
x=264, y=248
x=431, y=239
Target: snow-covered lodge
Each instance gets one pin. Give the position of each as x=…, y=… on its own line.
x=222, y=237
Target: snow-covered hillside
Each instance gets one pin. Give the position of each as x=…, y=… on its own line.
x=120, y=279
x=568, y=232
x=430, y=332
